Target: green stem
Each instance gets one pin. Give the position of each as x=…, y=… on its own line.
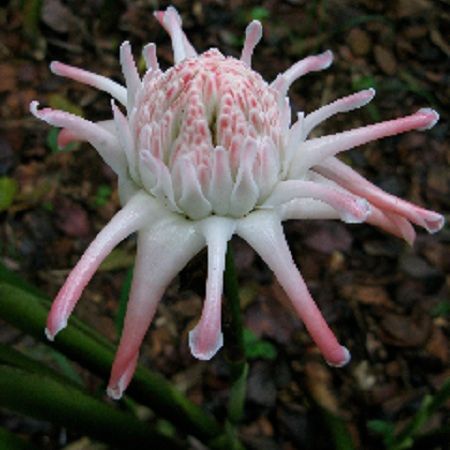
x=429, y=406
x=234, y=341
x=10, y=441
x=26, y=312
x=11, y=357
x=45, y=398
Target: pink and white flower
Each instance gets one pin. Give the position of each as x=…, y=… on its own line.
x=206, y=150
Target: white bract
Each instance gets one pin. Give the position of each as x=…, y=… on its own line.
x=206, y=150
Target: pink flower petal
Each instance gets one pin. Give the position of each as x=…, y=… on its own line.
x=206, y=338
x=104, y=142
x=92, y=79
x=163, y=250
x=314, y=151
x=253, y=34
x=171, y=21
x=351, y=209
x=138, y=211
x=130, y=73
x=344, y=104
x=263, y=231
x=346, y=177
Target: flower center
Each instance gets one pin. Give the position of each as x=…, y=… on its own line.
x=220, y=118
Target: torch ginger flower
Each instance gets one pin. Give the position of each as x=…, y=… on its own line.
x=207, y=150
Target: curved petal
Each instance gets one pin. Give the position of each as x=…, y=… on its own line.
x=245, y=192
x=263, y=231
x=206, y=338
x=163, y=250
x=130, y=74
x=221, y=184
x=104, y=142
x=125, y=138
x=91, y=79
x=309, y=64
x=171, y=21
x=66, y=136
x=343, y=104
x=392, y=223
x=192, y=199
x=346, y=177
x=137, y=212
x=253, y=34
x=150, y=57
x=307, y=208
x=352, y=209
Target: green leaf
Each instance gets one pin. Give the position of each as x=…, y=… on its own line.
x=430, y=403
x=102, y=195
x=237, y=396
x=9, y=441
x=58, y=101
x=80, y=343
x=123, y=300
x=31, y=10
x=45, y=398
x=11, y=357
x=364, y=82
x=256, y=348
x=9, y=277
x=381, y=427
x=259, y=13
x=441, y=309
x=8, y=190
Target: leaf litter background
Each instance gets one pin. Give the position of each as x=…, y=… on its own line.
x=387, y=302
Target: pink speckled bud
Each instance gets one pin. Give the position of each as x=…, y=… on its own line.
x=216, y=125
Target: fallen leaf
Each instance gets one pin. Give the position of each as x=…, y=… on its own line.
x=404, y=331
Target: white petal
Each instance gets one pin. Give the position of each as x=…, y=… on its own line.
x=253, y=34
x=344, y=104
x=206, y=338
x=92, y=79
x=141, y=209
x=191, y=200
x=245, y=192
x=163, y=250
x=352, y=209
x=263, y=231
x=221, y=183
x=104, y=142
x=126, y=139
x=314, y=151
x=130, y=74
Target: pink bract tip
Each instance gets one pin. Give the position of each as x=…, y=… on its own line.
x=34, y=108
x=341, y=360
x=203, y=348
x=368, y=94
x=430, y=116
x=49, y=335
x=434, y=222
x=53, y=328
x=159, y=16
x=56, y=66
x=116, y=392
x=326, y=59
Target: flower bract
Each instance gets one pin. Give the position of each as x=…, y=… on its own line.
x=205, y=150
